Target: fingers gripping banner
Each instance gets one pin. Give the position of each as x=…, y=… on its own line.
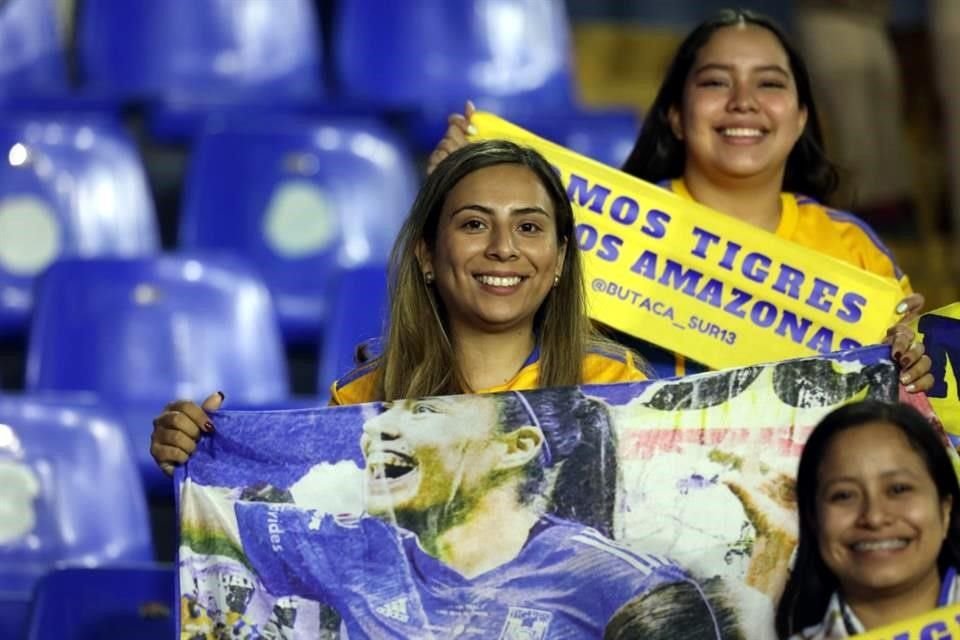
x=536, y=514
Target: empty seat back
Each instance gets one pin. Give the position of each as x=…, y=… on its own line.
x=301, y=199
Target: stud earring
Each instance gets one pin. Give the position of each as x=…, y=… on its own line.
x=428, y=277
x=556, y=280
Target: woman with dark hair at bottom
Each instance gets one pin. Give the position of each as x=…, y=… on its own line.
x=879, y=509
x=734, y=127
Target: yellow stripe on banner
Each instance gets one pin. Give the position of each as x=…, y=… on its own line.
x=700, y=283
x=939, y=624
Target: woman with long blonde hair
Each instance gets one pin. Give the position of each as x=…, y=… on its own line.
x=486, y=295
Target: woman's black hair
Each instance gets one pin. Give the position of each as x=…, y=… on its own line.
x=811, y=583
x=578, y=439
x=658, y=154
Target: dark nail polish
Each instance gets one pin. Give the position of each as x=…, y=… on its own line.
x=208, y=427
x=896, y=355
x=222, y=397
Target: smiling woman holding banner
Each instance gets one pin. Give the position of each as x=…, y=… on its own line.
x=734, y=127
x=879, y=525
x=486, y=295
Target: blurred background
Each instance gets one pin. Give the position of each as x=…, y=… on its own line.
x=201, y=194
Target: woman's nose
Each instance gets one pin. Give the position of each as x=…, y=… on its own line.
x=380, y=427
x=502, y=245
x=874, y=512
x=743, y=98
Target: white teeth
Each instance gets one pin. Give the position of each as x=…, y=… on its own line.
x=880, y=545
x=741, y=132
x=383, y=458
x=497, y=281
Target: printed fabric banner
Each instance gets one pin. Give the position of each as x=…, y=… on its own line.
x=940, y=331
x=540, y=514
x=703, y=284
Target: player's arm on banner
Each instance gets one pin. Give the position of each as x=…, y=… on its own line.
x=769, y=501
x=275, y=540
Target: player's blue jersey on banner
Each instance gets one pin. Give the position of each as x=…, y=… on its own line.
x=566, y=582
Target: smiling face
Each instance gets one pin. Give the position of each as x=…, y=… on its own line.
x=740, y=116
x=496, y=253
x=422, y=454
x=881, y=522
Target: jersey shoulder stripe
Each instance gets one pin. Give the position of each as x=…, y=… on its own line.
x=849, y=218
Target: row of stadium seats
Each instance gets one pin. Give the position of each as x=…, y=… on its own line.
x=70, y=495
x=103, y=603
x=111, y=341
x=129, y=335
x=300, y=198
x=187, y=59
x=294, y=191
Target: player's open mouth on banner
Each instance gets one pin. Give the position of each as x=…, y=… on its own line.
x=390, y=471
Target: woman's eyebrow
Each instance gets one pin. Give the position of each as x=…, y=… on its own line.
x=717, y=66
x=488, y=210
x=519, y=211
x=772, y=67
x=471, y=207
x=884, y=474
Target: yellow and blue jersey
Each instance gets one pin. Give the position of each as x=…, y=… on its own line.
x=566, y=582
x=600, y=366
x=810, y=224
x=839, y=234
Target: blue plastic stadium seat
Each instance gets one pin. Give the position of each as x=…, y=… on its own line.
x=203, y=55
x=358, y=314
x=140, y=333
x=69, y=494
x=301, y=199
x=31, y=49
x=607, y=136
x=406, y=54
x=105, y=603
x=143, y=48
x=512, y=57
x=69, y=186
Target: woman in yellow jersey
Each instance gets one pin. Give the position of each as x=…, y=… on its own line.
x=734, y=127
x=486, y=294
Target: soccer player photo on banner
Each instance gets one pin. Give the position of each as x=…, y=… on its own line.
x=543, y=514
